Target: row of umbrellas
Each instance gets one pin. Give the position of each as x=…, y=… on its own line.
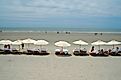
x=26, y=41
x=59, y=43
x=81, y=42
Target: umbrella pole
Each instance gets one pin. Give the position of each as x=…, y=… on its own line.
x=113, y=46
x=19, y=47
x=0, y=46
x=99, y=47
x=28, y=46
x=41, y=47
x=62, y=49
x=80, y=47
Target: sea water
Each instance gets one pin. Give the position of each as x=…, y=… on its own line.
x=75, y=29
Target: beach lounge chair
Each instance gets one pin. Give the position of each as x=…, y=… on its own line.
x=83, y=53
x=40, y=52
x=57, y=52
x=115, y=54
x=36, y=53
x=93, y=54
x=103, y=54
x=119, y=53
x=15, y=51
x=29, y=52
x=80, y=53
x=1, y=51
x=76, y=53
x=6, y=51
x=63, y=53
x=98, y=54
x=44, y=52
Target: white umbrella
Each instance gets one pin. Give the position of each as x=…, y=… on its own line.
x=28, y=41
x=80, y=42
x=98, y=43
x=18, y=42
x=41, y=42
x=62, y=44
x=113, y=42
x=5, y=42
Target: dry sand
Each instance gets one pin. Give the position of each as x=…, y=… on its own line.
x=24, y=67
x=54, y=68
x=52, y=37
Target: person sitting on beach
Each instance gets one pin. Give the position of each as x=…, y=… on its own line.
x=113, y=50
x=84, y=49
x=65, y=51
x=101, y=51
x=8, y=46
x=92, y=49
x=5, y=46
x=109, y=51
x=76, y=49
x=61, y=51
x=117, y=50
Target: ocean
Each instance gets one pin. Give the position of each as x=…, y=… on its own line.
x=73, y=29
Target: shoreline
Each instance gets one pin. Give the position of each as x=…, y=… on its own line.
x=63, y=31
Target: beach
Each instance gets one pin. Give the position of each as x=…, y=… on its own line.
x=53, y=37
x=51, y=67
x=24, y=67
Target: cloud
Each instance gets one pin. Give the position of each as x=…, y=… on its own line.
x=48, y=8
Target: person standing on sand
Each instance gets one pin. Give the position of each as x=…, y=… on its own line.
x=22, y=45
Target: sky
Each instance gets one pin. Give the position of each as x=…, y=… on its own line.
x=67, y=13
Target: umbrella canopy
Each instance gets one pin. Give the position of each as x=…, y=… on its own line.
x=98, y=43
x=113, y=42
x=41, y=42
x=18, y=42
x=5, y=42
x=80, y=42
x=62, y=44
x=28, y=41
